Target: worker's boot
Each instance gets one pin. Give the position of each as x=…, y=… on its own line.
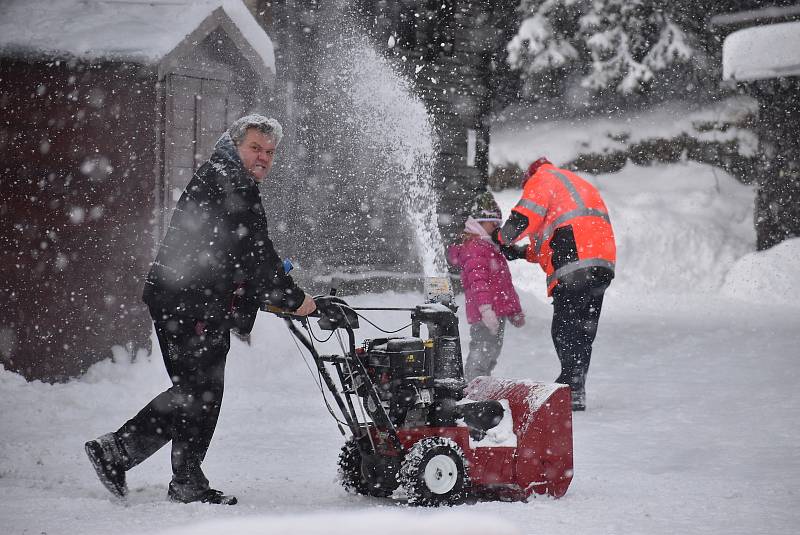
x=577, y=387
x=578, y=397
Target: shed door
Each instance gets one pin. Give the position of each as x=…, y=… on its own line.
x=198, y=110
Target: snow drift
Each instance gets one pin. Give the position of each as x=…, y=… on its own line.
x=768, y=277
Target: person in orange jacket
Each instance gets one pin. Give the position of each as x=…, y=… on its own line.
x=572, y=240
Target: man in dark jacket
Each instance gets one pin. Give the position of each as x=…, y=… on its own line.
x=214, y=268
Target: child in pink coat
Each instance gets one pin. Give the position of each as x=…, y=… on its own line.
x=489, y=291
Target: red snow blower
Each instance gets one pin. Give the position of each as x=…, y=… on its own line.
x=414, y=424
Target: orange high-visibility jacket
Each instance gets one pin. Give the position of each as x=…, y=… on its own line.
x=568, y=224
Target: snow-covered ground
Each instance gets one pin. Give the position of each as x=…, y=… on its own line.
x=691, y=424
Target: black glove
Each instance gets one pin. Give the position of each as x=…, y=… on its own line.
x=514, y=252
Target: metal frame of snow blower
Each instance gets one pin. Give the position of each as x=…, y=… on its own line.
x=342, y=318
x=541, y=461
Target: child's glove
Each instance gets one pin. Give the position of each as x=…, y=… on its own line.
x=489, y=318
x=518, y=320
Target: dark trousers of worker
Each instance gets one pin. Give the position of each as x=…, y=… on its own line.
x=576, y=312
x=187, y=412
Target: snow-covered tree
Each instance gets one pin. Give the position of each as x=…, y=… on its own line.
x=629, y=41
x=617, y=45
x=545, y=40
x=541, y=43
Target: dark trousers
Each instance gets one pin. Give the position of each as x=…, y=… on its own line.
x=577, y=302
x=187, y=412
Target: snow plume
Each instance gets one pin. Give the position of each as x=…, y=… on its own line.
x=401, y=123
x=391, y=135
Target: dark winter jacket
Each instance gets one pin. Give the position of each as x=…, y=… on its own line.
x=216, y=255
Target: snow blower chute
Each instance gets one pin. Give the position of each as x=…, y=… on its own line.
x=416, y=425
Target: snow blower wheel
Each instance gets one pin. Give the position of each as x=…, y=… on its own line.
x=434, y=473
x=351, y=474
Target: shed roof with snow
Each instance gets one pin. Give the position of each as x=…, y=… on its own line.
x=148, y=32
x=762, y=52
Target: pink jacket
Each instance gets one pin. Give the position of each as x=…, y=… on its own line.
x=485, y=278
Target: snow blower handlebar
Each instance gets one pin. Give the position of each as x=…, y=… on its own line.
x=334, y=313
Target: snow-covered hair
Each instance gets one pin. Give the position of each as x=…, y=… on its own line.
x=267, y=126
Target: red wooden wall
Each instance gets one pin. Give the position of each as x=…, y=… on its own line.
x=78, y=148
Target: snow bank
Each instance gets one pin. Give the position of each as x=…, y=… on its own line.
x=768, y=51
x=355, y=523
x=679, y=228
x=767, y=277
x=124, y=29
x=524, y=138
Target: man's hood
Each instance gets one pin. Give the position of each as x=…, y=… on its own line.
x=227, y=161
x=225, y=148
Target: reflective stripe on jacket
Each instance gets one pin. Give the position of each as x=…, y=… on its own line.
x=568, y=224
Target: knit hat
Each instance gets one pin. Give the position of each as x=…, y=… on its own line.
x=532, y=168
x=485, y=208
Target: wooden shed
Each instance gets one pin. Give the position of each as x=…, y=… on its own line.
x=107, y=109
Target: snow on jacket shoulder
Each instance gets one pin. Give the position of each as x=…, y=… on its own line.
x=485, y=277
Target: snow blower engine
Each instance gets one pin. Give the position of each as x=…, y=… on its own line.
x=417, y=426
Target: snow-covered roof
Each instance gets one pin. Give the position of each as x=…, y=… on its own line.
x=756, y=16
x=139, y=30
x=760, y=52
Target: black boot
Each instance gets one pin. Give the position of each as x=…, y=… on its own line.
x=577, y=387
x=184, y=494
x=109, y=460
x=578, y=397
